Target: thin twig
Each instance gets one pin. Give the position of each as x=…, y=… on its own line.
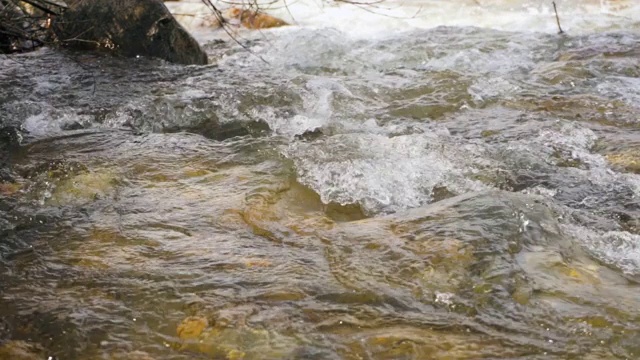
x=557, y=18
x=353, y=2
x=366, y=7
x=289, y=11
x=223, y=23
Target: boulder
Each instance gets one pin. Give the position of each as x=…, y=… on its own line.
x=129, y=28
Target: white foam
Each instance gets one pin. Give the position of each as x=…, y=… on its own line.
x=625, y=88
x=575, y=140
x=620, y=249
x=50, y=122
x=484, y=89
x=317, y=108
x=381, y=173
x=380, y=19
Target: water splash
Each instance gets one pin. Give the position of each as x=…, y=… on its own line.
x=619, y=249
x=382, y=174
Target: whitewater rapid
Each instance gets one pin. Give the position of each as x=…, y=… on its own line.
x=379, y=18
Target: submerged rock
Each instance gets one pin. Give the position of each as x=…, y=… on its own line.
x=20, y=350
x=405, y=342
x=192, y=327
x=130, y=28
x=229, y=337
x=87, y=186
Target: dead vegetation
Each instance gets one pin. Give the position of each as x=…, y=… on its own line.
x=26, y=24
x=252, y=19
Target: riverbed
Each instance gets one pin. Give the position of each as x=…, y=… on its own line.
x=414, y=180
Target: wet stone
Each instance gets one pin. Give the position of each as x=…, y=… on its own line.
x=349, y=212
x=439, y=193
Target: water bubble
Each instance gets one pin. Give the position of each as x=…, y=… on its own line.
x=445, y=298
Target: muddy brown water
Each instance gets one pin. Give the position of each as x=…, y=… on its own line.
x=452, y=193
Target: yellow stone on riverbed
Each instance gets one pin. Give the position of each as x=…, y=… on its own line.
x=628, y=160
x=133, y=355
x=236, y=355
x=91, y=263
x=243, y=342
x=8, y=189
x=192, y=327
x=83, y=187
x=229, y=337
x=257, y=263
x=192, y=173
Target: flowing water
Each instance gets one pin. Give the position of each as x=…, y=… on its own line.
x=425, y=180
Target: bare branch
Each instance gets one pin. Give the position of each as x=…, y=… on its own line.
x=224, y=23
x=557, y=18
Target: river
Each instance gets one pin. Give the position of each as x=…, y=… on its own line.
x=416, y=180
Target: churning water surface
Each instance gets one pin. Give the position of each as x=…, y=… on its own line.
x=402, y=180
